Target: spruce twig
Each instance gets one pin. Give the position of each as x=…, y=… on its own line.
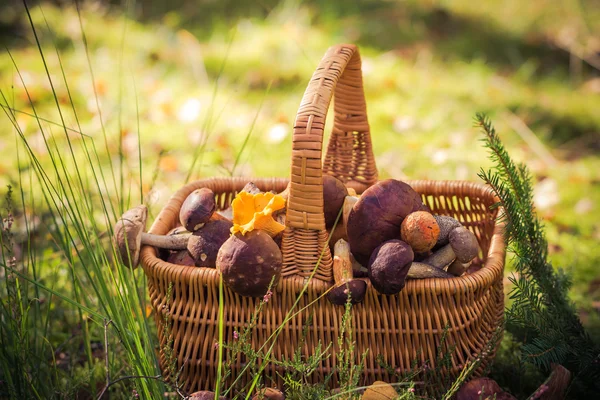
x=541, y=305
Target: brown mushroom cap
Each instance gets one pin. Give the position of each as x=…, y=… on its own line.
x=205, y=395
x=356, y=288
x=249, y=262
x=181, y=257
x=482, y=389
x=446, y=225
x=388, y=266
x=269, y=394
x=464, y=244
x=420, y=230
x=197, y=209
x=334, y=193
x=128, y=235
x=377, y=215
x=205, y=243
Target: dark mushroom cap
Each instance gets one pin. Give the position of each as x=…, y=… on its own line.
x=377, y=215
x=181, y=257
x=197, y=209
x=249, y=262
x=420, y=230
x=205, y=395
x=482, y=389
x=339, y=295
x=388, y=266
x=204, y=244
x=446, y=224
x=334, y=193
x=128, y=235
x=464, y=244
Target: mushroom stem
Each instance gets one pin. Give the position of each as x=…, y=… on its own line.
x=441, y=257
x=345, y=284
x=175, y=242
x=420, y=271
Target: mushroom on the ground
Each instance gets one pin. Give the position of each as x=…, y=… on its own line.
x=389, y=265
x=420, y=230
x=345, y=284
x=130, y=236
x=248, y=263
x=377, y=215
x=482, y=389
x=446, y=225
x=334, y=193
x=463, y=246
x=197, y=209
x=269, y=394
x=380, y=390
x=204, y=244
x=204, y=395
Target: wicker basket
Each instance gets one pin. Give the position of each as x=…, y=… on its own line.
x=399, y=329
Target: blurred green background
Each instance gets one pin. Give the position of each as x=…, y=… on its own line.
x=195, y=79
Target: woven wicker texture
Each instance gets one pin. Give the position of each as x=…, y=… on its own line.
x=400, y=329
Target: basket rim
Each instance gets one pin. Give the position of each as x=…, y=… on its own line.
x=489, y=273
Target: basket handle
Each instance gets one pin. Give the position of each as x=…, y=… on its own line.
x=349, y=157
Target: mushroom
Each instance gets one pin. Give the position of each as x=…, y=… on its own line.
x=377, y=215
x=181, y=257
x=340, y=229
x=130, y=236
x=463, y=246
x=334, y=193
x=204, y=395
x=248, y=263
x=380, y=390
x=482, y=389
x=420, y=230
x=255, y=211
x=446, y=225
x=345, y=285
x=458, y=268
x=418, y=270
x=251, y=188
x=197, y=209
x=269, y=394
x=204, y=244
x=388, y=266
x=165, y=253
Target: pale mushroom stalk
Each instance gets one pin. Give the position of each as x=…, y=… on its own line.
x=174, y=242
x=463, y=246
x=421, y=271
x=345, y=284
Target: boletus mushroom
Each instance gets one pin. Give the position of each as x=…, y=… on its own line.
x=389, y=265
x=130, y=236
x=420, y=230
x=269, y=394
x=181, y=257
x=248, y=263
x=380, y=390
x=197, y=209
x=334, y=194
x=463, y=246
x=346, y=287
x=204, y=244
x=482, y=389
x=446, y=225
x=377, y=215
x=204, y=395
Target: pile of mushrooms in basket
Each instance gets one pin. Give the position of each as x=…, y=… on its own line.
x=385, y=235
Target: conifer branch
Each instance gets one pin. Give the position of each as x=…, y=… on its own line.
x=541, y=304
